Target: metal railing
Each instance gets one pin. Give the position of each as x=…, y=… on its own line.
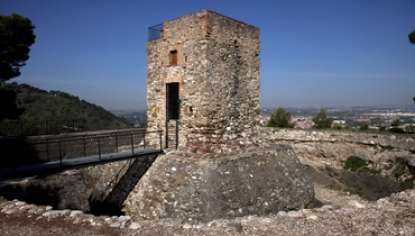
x=155, y=32
x=29, y=127
x=23, y=151
x=172, y=137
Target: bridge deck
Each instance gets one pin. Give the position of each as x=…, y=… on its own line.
x=57, y=166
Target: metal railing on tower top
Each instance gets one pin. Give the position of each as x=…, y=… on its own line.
x=155, y=32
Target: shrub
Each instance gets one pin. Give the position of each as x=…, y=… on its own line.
x=337, y=126
x=354, y=163
x=364, y=126
x=281, y=118
x=357, y=164
x=321, y=121
x=410, y=129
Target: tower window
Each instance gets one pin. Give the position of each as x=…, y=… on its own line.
x=173, y=57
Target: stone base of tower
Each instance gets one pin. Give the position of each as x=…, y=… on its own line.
x=200, y=190
x=228, y=140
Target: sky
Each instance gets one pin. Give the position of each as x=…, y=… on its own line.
x=333, y=53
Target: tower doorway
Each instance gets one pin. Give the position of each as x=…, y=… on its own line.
x=172, y=100
x=172, y=113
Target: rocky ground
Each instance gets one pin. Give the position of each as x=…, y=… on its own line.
x=335, y=211
x=340, y=214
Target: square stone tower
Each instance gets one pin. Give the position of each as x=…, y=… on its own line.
x=203, y=82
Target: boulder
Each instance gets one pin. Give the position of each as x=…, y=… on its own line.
x=200, y=189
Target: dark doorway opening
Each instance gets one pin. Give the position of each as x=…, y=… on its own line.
x=172, y=100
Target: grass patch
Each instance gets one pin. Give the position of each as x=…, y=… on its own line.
x=370, y=170
x=400, y=168
x=373, y=145
x=331, y=171
x=359, y=193
x=357, y=164
x=354, y=163
x=387, y=148
x=409, y=183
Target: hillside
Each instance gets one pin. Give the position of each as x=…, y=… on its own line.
x=55, y=112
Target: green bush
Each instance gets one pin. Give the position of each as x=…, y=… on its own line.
x=364, y=126
x=321, y=120
x=281, y=118
x=337, y=126
x=357, y=164
x=387, y=148
x=354, y=163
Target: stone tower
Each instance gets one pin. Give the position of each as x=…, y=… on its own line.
x=203, y=79
x=203, y=82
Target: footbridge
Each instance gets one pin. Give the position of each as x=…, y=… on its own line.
x=51, y=154
x=99, y=190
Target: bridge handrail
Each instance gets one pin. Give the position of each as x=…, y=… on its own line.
x=66, y=137
x=48, y=142
x=41, y=139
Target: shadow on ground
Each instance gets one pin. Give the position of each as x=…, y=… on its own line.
x=32, y=194
x=112, y=203
x=368, y=186
x=17, y=151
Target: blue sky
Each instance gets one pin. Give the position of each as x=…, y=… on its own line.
x=313, y=53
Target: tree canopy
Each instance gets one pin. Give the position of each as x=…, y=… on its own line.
x=364, y=126
x=281, y=118
x=43, y=112
x=411, y=37
x=321, y=121
x=395, y=123
x=16, y=36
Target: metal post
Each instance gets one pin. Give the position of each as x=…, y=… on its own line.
x=47, y=149
x=167, y=134
x=116, y=142
x=177, y=133
x=60, y=152
x=83, y=137
x=99, y=149
x=161, y=140
x=132, y=143
x=144, y=139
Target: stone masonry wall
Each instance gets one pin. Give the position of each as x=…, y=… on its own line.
x=218, y=74
x=339, y=145
x=194, y=189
